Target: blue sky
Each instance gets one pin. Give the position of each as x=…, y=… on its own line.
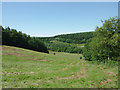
x=50, y=18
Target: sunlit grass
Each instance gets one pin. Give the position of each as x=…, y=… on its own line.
x=22, y=68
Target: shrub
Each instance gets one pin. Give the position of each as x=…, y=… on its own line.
x=54, y=53
x=80, y=57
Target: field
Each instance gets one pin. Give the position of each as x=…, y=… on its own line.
x=71, y=44
x=22, y=68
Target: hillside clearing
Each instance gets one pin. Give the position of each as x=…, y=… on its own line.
x=22, y=68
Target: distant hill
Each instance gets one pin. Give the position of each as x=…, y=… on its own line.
x=71, y=43
x=78, y=38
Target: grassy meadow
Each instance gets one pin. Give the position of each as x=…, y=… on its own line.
x=71, y=44
x=22, y=68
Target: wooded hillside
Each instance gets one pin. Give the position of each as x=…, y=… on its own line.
x=71, y=43
x=13, y=38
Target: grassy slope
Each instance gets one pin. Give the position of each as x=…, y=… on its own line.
x=26, y=69
x=71, y=44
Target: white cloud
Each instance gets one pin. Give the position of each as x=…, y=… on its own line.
x=50, y=35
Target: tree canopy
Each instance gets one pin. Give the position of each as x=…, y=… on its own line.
x=13, y=38
x=106, y=43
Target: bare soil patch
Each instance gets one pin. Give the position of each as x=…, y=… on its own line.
x=41, y=60
x=17, y=54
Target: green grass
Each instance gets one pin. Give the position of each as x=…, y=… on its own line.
x=23, y=68
x=71, y=44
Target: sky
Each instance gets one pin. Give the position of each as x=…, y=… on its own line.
x=44, y=19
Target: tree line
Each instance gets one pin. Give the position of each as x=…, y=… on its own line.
x=12, y=37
